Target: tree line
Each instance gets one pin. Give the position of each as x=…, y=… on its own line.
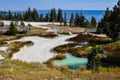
x=52, y=16
x=110, y=23
x=33, y=15
x=80, y=21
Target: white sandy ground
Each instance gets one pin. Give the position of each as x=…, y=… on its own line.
x=40, y=51
x=34, y=23
x=99, y=35
x=1, y=57
x=3, y=48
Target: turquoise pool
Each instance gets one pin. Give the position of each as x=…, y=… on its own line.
x=72, y=62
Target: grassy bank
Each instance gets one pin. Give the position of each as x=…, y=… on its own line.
x=15, y=70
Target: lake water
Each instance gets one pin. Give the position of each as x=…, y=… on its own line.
x=72, y=62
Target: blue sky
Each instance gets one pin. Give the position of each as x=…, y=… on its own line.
x=63, y=4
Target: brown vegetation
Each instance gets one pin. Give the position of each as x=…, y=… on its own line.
x=48, y=35
x=80, y=51
x=82, y=37
x=64, y=48
x=60, y=56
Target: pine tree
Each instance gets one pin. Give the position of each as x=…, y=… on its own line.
x=93, y=22
x=47, y=18
x=65, y=19
x=41, y=17
x=53, y=15
x=13, y=30
x=35, y=15
x=93, y=60
x=59, y=16
x=76, y=20
x=81, y=21
x=104, y=24
x=20, y=17
x=10, y=17
x=71, y=21
x=87, y=24
x=28, y=15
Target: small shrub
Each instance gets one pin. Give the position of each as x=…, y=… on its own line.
x=22, y=23
x=1, y=24
x=49, y=35
x=29, y=43
x=29, y=25
x=13, y=30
